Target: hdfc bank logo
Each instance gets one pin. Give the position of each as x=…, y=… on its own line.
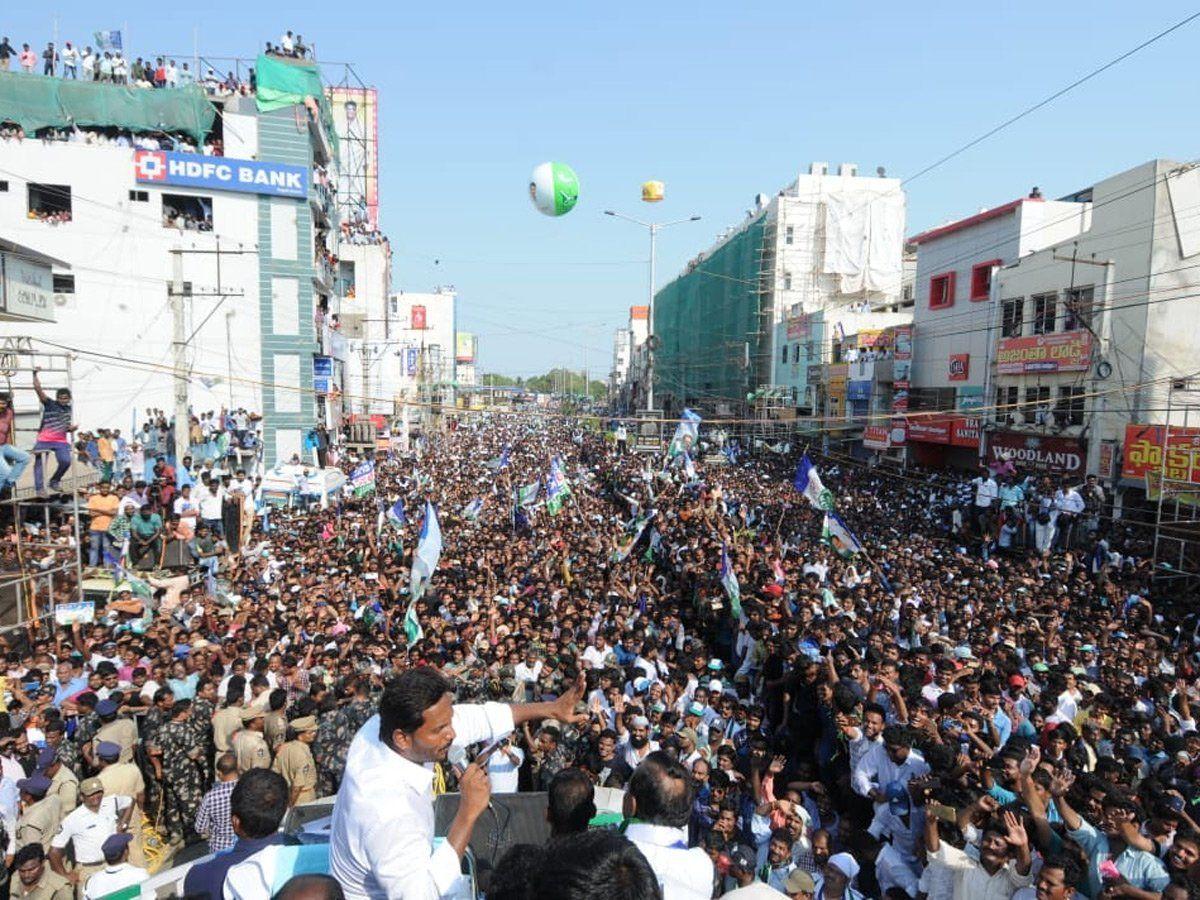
x=150, y=165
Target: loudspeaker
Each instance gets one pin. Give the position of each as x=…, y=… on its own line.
x=510, y=819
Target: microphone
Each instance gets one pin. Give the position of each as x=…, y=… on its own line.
x=457, y=758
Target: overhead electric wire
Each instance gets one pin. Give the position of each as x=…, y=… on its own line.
x=126, y=361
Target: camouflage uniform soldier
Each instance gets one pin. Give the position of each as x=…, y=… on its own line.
x=176, y=760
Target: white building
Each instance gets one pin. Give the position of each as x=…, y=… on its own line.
x=367, y=322
x=253, y=283
x=955, y=310
x=828, y=241
x=629, y=359
x=1092, y=329
x=419, y=365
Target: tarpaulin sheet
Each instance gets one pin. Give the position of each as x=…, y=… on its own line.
x=286, y=82
x=35, y=102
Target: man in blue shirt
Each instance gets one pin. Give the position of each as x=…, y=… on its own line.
x=1144, y=873
x=256, y=807
x=70, y=681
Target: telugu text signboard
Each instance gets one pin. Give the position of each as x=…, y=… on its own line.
x=219, y=173
x=1144, y=453
x=26, y=289
x=1070, y=351
x=876, y=437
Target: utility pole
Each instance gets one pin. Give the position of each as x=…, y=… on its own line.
x=179, y=358
x=178, y=295
x=653, y=228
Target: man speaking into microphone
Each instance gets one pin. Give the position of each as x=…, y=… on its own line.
x=382, y=841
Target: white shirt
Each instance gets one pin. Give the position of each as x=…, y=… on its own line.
x=594, y=657
x=876, y=769
x=113, y=878
x=972, y=882
x=382, y=834
x=210, y=502
x=986, y=491
x=527, y=673
x=504, y=772
x=892, y=871
x=683, y=873
x=89, y=830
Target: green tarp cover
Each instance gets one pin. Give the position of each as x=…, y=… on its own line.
x=282, y=82
x=35, y=102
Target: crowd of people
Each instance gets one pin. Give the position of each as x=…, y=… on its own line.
x=938, y=715
x=108, y=63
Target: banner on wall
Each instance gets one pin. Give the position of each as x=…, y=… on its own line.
x=1070, y=351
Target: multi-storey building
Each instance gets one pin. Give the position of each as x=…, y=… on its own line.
x=164, y=237
x=827, y=241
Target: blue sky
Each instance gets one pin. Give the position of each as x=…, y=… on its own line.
x=719, y=101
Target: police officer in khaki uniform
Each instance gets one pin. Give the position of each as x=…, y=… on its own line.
x=249, y=745
x=276, y=724
x=40, y=814
x=228, y=719
x=294, y=761
x=64, y=784
x=122, y=779
x=35, y=879
x=120, y=730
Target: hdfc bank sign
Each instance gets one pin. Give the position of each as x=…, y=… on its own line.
x=1059, y=456
x=218, y=173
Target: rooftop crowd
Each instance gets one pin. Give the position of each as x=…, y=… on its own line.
x=986, y=701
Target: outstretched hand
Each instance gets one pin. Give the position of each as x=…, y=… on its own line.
x=1016, y=835
x=564, y=707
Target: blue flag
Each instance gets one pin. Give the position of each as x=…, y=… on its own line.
x=396, y=514
x=730, y=583
x=808, y=483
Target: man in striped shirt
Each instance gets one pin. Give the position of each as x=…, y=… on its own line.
x=53, y=434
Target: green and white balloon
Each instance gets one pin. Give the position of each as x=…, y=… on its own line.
x=554, y=188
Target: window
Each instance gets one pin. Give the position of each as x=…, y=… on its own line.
x=1006, y=402
x=783, y=355
x=1012, y=317
x=787, y=281
x=50, y=202
x=3, y=187
x=64, y=284
x=788, y=234
x=1070, y=405
x=1045, y=308
x=1078, y=308
x=139, y=196
x=941, y=290
x=187, y=213
x=1037, y=403
x=981, y=279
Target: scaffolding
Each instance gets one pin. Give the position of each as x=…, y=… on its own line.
x=43, y=564
x=1176, y=485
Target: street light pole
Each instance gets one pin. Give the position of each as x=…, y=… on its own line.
x=653, y=228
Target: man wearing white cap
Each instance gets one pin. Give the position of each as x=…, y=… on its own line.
x=838, y=875
x=635, y=742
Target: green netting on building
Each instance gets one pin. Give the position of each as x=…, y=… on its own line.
x=282, y=82
x=703, y=320
x=35, y=102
